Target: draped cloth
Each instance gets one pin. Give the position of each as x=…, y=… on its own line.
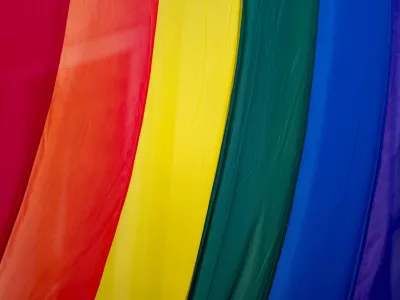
x=158, y=236
x=78, y=184
x=258, y=165
x=379, y=273
x=322, y=246
x=32, y=34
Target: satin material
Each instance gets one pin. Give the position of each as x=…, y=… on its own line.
x=379, y=273
x=259, y=159
x=69, y=214
x=31, y=34
x=156, y=244
x=322, y=245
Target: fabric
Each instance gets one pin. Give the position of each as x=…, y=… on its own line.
x=258, y=165
x=379, y=273
x=69, y=214
x=156, y=244
x=31, y=33
x=340, y=158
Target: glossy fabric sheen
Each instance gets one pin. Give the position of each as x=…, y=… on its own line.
x=69, y=214
x=259, y=160
x=340, y=158
x=31, y=35
x=156, y=244
x=379, y=273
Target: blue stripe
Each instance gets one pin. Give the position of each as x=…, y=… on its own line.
x=331, y=205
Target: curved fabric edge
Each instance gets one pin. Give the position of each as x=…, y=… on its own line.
x=259, y=160
x=70, y=211
x=379, y=276
x=156, y=244
x=31, y=41
x=341, y=152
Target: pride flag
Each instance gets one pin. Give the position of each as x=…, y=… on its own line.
x=199, y=149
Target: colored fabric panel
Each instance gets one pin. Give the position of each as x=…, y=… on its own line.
x=339, y=162
x=379, y=273
x=258, y=165
x=156, y=243
x=70, y=211
x=31, y=33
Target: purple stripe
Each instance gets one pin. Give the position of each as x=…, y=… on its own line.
x=379, y=273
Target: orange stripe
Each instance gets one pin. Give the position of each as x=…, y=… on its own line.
x=71, y=207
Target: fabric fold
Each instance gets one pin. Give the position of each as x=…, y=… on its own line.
x=258, y=164
x=64, y=229
x=31, y=34
x=379, y=274
x=156, y=243
x=321, y=251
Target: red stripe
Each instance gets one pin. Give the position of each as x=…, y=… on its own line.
x=31, y=35
x=67, y=221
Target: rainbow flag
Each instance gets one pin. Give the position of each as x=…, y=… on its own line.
x=199, y=149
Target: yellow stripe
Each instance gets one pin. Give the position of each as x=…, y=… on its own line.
x=156, y=243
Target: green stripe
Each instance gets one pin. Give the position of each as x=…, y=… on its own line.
x=260, y=155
